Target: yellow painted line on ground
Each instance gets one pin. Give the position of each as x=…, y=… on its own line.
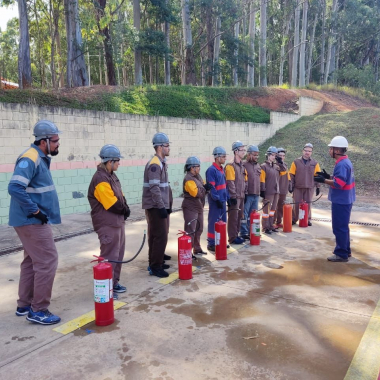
x=84, y=319
x=366, y=362
x=172, y=277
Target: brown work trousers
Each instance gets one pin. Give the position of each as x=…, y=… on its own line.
x=300, y=195
x=158, y=229
x=280, y=208
x=38, y=267
x=197, y=226
x=112, y=247
x=269, y=210
x=235, y=215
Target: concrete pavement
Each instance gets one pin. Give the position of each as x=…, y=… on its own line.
x=277, y=311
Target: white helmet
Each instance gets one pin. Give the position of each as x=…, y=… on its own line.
x=339, y=142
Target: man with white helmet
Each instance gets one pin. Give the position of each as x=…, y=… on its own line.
x=237, y=181
x=156, y=202
x=302, y=172
x=109, y=210
x=34, y=207
x=251, y=201
x=218, y=194
x=341, y=195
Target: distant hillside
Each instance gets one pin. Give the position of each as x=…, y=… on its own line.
x=360, y=127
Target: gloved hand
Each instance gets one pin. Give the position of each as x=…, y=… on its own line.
x=163, y=213
x=207, y=186
x=279, y=160
x=262, y=194
x=169, y=211
x=233, y=201
x=319, y=179
x=219, y=204
x=127, y=212
x=40, y=216
x=324, y=174
x=317, y=191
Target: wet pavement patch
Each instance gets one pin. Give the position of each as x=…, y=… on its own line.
x=93, y=328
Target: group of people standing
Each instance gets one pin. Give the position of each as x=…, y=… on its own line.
x=234, y=189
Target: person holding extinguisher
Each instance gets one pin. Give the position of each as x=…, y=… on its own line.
x=342, y=196
x=218, y=194
x=109, y=210
x=284, y=183
x=269, y=188
x=194, y=195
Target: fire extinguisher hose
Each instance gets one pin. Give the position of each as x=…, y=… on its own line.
x=296, y=203
x=101, y=259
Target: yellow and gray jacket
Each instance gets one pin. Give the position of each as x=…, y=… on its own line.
x=194, y=193
x=284, y=180
x=269, y=178
x=106, y=199
x=302, y=173
x=32, y=188
x=237, y=179
x=156, y=189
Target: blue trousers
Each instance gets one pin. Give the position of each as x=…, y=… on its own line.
x=213, y=215
x=252, y=203
x=340, y=219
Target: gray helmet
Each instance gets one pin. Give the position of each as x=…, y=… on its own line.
x=110, y=152
x=308, y=145
x=45, y=129
x=281, y=150
x=192, y=161
x=236, y=145
x=219, y=151
x=252, y=148
x=160, y=138
x=271, y=150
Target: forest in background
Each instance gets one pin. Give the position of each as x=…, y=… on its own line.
x=290, y=43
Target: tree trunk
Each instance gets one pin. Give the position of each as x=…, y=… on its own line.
x=296, y=44
x=263, y=43
x=136, y=24
x=330, y=61
x=236, y=54
x=24, y=67
x=311, y=48
x=210, y=45
x=303, y=44
x=323, y=37
x=53, y=32
x=215, y=71
x=76, y=66
x=188, y=42
x=60, y=64
x=167, y=60
x=251, y=33
x=283, y=43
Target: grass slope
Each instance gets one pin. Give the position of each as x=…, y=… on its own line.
x=175, y=101
x=362, y=130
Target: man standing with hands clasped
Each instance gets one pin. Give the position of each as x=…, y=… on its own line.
x=341, y=195
x=156, y=202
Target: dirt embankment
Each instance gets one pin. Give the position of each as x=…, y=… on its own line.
x=282, y=100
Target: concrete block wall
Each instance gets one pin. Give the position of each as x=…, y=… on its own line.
x=309, y=106
x=85, y=132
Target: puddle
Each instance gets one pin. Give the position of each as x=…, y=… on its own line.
x=91, y=328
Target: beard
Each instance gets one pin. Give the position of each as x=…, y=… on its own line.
x=54, y=152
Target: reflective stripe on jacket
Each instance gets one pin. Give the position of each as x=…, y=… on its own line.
x=156, y=188
x=32, y=188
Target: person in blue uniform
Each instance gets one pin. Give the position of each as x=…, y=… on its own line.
x=341, y=195
x=218, y=194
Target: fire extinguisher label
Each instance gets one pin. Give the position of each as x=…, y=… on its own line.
x=301, y=213
x=217, y=238
x=255, y=228
x=102, y=291
x=185, y=257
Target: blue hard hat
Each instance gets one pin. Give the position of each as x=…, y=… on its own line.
x=110, y=152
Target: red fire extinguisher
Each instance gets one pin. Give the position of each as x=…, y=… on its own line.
x=255, y=228
x=303, y=214
x=287, y=218
x=220, y=240
x=185, y=260
x=103, y=294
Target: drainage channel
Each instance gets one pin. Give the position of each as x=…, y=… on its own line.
x=351, y=222
x=19, y=247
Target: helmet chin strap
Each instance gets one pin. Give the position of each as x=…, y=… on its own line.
x=48, y=145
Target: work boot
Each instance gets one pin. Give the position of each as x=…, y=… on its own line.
x=167, y=257
x=293, y=223
x=309, y=223
x=245, y=237
x=119, y=288
x=20, y=311
x=337, y=259
x=274, y=229
x=158, y=272
x=211, y=248
x=267, y=231
x=280, y=225
x=237, y=240
x=43, y=317
x=115, y=296
x=165, y=266
x=201, y=252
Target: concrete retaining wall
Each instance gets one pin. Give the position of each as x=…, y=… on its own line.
x=309, y=106
x=85, y=132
